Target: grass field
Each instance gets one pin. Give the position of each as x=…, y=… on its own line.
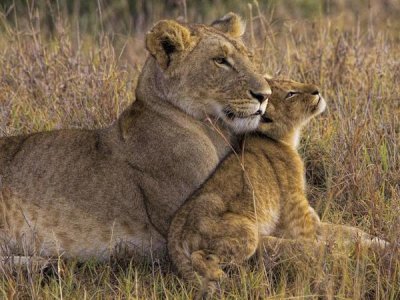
x=61, y=69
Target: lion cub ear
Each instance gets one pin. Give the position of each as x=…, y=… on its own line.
x=166, y=39
x=232, y=24
x=268, y=76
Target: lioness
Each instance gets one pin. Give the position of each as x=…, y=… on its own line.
x=259, y=193
x=80, y=192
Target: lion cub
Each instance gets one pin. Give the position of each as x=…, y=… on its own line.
x=259, y=193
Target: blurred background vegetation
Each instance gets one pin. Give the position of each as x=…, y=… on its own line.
x=132, y=18
x=137, y=15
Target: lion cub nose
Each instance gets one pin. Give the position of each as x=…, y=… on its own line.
x=260, y=96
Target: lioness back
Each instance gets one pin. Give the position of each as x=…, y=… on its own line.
x=82, y=192
x=255, y=193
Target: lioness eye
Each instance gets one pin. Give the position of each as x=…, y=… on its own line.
x=222, y=61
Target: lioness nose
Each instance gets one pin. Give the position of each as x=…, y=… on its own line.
x=260, y=96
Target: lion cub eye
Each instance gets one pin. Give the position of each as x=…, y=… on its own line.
x=291, y=94
x=222, y=61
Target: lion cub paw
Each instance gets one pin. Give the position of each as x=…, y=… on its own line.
x=207, y=265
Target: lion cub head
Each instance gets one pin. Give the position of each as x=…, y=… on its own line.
x=290, y=107
x=205, y=71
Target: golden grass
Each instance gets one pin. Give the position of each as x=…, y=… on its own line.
x=59, y=79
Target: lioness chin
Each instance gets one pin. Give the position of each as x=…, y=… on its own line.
x=81, y=192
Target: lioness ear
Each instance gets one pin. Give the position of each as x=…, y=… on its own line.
x=166, y=39
x=231, y=24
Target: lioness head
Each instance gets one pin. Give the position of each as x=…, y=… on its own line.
x=205, y=71
x=291, y=106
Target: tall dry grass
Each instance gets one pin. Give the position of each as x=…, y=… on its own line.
x=69, y=77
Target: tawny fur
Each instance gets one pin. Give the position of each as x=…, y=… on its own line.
x=81, y=192
x=231, y=24
x=260, y=193
x=332, y=236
